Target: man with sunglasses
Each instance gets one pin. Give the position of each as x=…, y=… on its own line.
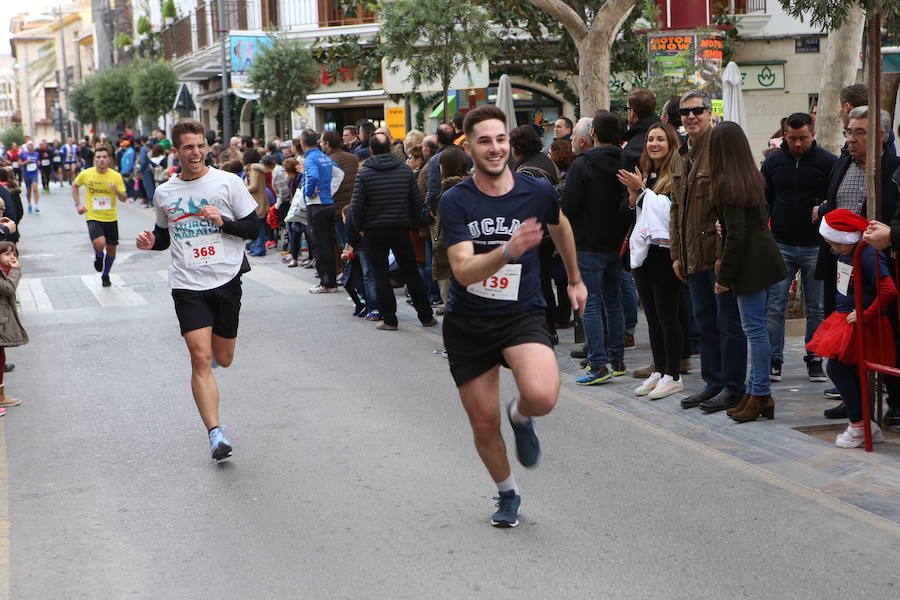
x=723, y=347
x=847, y=189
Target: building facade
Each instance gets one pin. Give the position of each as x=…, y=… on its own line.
x=193, y=44
x=53, y=52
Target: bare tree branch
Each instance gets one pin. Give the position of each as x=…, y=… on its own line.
x=609, y=19
x=566, y=15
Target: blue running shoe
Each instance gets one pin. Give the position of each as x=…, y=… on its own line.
x=374, y=315
x=218, y=444
x=593, y=377
x=528, y=448
x=507, y=514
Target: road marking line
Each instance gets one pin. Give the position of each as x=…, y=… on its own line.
x=278, y=281
x=33, y=295
x=119, y=284
x=112, y=296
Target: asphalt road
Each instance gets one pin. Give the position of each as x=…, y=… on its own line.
x=353, y=473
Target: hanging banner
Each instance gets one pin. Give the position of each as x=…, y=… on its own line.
x=243, y=46
x=671, y=55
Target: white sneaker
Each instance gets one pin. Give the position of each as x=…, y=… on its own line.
x=648, y=385
x=853, y=437
x=666, y=387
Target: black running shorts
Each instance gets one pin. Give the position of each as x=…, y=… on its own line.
x=107, y=229
x=217, y=308
x=475, y=344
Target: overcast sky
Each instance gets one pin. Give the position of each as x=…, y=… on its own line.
x=10, y=8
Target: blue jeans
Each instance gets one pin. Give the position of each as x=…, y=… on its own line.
x=340, y=234
x=259, y=244
x=803, y=259
x=629, y=302
x=602, y=276
x=752, y=307
x=368, y=278
x=723, y=347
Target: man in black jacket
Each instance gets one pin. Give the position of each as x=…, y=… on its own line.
x=641, y=109
x=847, y=189
x=796, y=180
x=386, y=204
x=592, y=201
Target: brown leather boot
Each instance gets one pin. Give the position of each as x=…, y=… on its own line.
x=757, y=406
x=643, y=372
x=739, y=407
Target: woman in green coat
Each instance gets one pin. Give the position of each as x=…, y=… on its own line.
x=750, y=260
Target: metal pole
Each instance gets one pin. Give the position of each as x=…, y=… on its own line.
x=226, y=108
x=64, y=97
x=873, y=153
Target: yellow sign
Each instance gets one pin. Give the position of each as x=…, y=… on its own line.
x=718, y=108
x=396, y=121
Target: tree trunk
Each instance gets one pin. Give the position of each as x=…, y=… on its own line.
x=889, y=85
x=594, y=43
x=838, y=71
x=593, y=78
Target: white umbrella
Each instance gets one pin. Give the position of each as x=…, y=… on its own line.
x=505, y=102
x=734, y=99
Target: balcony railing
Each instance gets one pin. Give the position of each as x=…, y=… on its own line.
x=746, y=7
x=201, y=27
x=178, y=40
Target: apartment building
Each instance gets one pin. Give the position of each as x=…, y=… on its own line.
x=53, y=51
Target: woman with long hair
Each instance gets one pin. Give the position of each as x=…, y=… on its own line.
x=750, y=260
x=658, y=287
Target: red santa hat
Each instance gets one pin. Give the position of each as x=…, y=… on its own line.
x=842, y=226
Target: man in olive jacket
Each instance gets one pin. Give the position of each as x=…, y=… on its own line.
x=695, y=252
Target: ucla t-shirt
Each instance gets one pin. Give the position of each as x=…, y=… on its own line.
x=468, y=215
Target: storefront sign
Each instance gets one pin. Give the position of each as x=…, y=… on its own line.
x=471, y=76
x=395, y=116
x=768, y=76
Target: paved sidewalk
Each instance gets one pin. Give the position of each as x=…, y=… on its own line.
x=797, y=445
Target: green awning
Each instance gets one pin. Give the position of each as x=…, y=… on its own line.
x=438, y=113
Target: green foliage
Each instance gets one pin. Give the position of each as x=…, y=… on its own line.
x=143, y=25
x=112, y=95
x=153, y=88
x=168, y=10
x=81, y=101
x=14, y=134
x=123, y=40
x=283, y=74
x=436, y=38
x=831, y=14
x=349, y=52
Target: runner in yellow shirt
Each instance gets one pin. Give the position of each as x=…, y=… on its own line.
x=104, y=187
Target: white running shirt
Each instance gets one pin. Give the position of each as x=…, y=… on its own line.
x=203, y=258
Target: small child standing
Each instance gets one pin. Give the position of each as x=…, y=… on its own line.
x=11, y=331
x=835, y=338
